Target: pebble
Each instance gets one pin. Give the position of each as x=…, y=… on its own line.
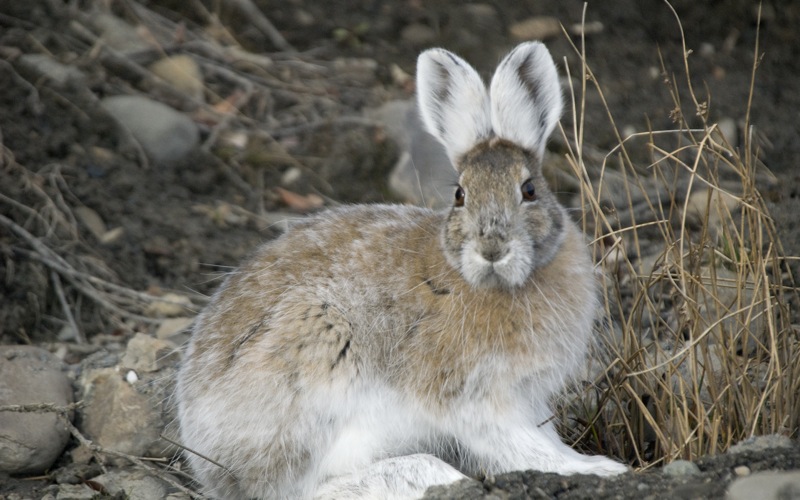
x=182, y=72
x=767, y=485
x=418, y=35
x=147, y=354
x=169, y=305
x=31, y=442
x=75, y=492
x=173, y=326
x=133, y=485
x=729, y=130
x=118, y=34
x=46, y=66
x=165, y=134
x=535, y=28
x=681, y=468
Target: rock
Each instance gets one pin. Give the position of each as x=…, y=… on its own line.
x=118, y=417
x=681, y=468
x=164, y=133
x=182, y=72
x=133, y=484
x=92, y=221
x=118, y=34
x=423, y=175
x=356, y=71
x=169, y=305
x=535, y=28
x=173, y=326
x=729, y=130
x=45, y=66
x=75, y=492
x=761, y=443
x=418, y=35
x=147, y=354
x=767, y=485
x=31, y=442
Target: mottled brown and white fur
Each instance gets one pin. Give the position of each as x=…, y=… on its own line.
x=373, y=351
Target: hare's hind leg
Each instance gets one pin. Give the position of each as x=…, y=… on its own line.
x=394, y=478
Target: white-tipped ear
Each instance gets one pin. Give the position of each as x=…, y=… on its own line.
x=526, y=97
x=453, y=101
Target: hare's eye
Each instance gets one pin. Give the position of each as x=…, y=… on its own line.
x=460, y=196
x=528, y=191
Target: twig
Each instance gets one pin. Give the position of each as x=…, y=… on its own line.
x=193, y=452
x=138, y=461
x=251, y=12
x=62, y=298
x=42, y=408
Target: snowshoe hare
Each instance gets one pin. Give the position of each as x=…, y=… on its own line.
x=374, y=351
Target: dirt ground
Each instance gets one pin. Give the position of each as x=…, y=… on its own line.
x=173, y=236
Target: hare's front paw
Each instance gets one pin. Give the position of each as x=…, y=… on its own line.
x=599, y=466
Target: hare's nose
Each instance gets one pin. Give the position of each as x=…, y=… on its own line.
x=492, y=254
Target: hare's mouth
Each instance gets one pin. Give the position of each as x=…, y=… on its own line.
x=506, y=267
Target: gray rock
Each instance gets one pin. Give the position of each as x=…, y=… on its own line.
x=135, y=484
x=681, y=468
x=423, y=175
x=164, y=133
x=118, y=417
x=31, y=442
x=75, y=492
x=767, y=485
x=46, y=66
x=761, y=443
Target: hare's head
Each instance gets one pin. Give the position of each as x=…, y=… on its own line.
x=505, y=222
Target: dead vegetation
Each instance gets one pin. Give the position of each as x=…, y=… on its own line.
x=700, y=341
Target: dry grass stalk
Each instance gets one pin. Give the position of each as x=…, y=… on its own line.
x=701, y=350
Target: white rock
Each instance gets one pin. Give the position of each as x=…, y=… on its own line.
x=767, y=485
x=164, y=133
x=31, y=442
x=729, y=130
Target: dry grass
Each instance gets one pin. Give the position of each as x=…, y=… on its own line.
x=699, y=344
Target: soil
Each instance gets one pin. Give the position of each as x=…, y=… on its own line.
x=171, y=238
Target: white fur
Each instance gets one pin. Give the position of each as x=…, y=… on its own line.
x=452, y=101
x=523, y=105
x=526, y=97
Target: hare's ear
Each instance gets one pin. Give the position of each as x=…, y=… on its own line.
x=452, y=101
x=526, y=97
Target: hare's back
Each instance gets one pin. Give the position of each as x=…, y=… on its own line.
x=309, y=292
